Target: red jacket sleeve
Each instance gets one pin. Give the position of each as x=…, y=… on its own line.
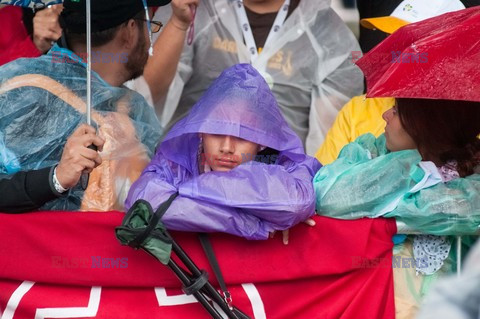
x=14, y=39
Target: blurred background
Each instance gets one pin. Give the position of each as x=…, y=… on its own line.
x=347, y=10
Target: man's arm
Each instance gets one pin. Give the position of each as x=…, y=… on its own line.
x=162, y=66
x=27, y=191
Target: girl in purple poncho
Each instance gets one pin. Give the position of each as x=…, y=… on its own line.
x=236, y=164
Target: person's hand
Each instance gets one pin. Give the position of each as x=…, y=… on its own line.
x=285, y=233
x=182, y=15
x=46, y=27
x=77, y=158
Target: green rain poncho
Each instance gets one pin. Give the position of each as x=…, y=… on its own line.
x=368, y=181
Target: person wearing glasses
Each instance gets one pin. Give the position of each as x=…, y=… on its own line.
x=42, y=102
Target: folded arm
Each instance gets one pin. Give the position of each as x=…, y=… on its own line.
x=355, y=186
x=451, y=208
x=249, y=201
x=282, y=196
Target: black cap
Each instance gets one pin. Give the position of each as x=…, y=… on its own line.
x=105, y=14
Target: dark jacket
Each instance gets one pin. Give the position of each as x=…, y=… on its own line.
x=27, y=191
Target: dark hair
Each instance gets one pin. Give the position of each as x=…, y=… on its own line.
x=268, y=156
x=27, y=19
x=444, y=130
x=101, y=37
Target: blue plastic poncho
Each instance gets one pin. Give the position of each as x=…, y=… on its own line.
x=368, y=181
x=42, y=101
x=252, y=199
x=32, y=4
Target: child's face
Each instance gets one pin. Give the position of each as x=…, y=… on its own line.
x=225, y=152
x=397, y=139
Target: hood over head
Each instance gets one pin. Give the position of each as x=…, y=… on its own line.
x=238, y=103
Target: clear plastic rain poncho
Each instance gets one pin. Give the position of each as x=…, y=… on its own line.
x=368, y=181
x=250, y=200
x=309, y=63
x=42, y=101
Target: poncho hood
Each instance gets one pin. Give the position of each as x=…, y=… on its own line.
x=238, y=103
x=250, y=200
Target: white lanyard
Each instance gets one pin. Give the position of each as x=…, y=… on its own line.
x=247, y=31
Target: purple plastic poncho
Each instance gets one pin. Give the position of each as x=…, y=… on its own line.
x=252, y=199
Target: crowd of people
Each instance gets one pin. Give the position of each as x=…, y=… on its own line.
x=252, y=111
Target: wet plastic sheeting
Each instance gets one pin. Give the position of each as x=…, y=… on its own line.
x=250, y=200
x=42, y=101
x=437, y=58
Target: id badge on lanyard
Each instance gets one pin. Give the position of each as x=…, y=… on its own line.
x=247, y=31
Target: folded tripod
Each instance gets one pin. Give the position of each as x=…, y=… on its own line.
x=143, y=229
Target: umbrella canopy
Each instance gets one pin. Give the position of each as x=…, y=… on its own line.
x=437, y=58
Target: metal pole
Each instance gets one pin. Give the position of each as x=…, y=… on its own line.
x=89, y=63
x=207, y=288
x=85, y=177
x=459, y=256
x=187, y=281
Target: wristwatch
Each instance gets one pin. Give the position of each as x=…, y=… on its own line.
x=58, y=187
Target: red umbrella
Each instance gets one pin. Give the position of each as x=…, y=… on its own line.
x=437, y=58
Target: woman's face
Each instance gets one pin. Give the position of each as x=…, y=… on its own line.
x=225, y=152
x=397, y=138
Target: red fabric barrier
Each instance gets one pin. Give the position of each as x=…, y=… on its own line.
x=70, y=265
